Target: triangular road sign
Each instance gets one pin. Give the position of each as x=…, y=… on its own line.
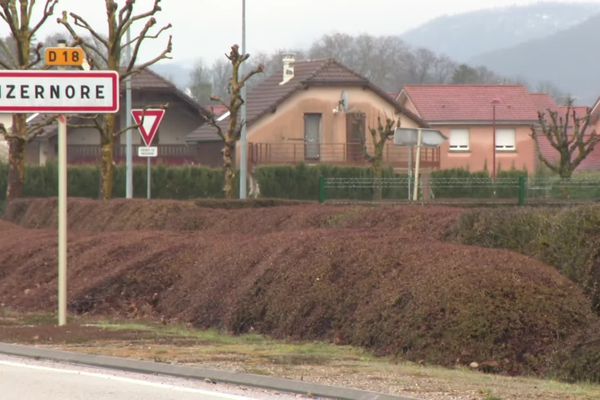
x=148, y=122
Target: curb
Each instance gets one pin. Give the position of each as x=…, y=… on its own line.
x=147, y=367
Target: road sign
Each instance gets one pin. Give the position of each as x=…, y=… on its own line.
x=147, y=151
x=59, y=92
x=148, y=122
x=64, y=56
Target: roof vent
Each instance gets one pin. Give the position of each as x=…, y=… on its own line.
x=288, y=68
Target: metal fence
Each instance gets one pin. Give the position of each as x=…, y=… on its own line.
x=514, y=190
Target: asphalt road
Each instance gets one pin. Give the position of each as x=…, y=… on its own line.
x=31, y=380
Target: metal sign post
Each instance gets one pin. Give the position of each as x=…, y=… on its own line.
x=62, y=220
x=148, y=122
x=60, y=92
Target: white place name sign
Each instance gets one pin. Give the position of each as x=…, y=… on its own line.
x=59, y=92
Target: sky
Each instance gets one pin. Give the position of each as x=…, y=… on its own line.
x=205, y=29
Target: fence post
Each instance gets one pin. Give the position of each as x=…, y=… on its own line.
x=322, y=192
x=522, y=190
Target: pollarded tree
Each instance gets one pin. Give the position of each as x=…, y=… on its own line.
x=380, y=136
x=233, y=130
x=21, y=52
x=107, y=53
x=570, y=135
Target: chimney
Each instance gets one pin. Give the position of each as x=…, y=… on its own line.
x=288, y=68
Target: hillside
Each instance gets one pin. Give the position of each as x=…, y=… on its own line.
x=379, y=277
x=470, y=34
x=567, y=58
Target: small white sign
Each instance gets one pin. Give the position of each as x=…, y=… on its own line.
x=147, y=151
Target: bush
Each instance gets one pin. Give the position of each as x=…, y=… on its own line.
x=301, y=182
x=568, y=239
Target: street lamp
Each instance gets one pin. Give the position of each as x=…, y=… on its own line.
x=244, y=132
x=495, y=102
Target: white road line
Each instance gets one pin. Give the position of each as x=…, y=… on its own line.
x=157, y=385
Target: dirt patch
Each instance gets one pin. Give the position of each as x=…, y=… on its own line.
x=378, y=277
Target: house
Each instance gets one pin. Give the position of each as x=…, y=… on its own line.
x=149, y=89
x=488, y=126
x=317, y=111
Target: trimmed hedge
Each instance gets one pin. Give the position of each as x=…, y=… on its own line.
x=188, y=182
x=568, y=239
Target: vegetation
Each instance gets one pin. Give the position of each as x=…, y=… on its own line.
x=109, y=53
x=567, y=238
x=572, y=137
x=380, y=136
x=232, y=133
x=21, y=52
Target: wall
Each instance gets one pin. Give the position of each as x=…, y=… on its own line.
x=286, y=125
x=480, y=153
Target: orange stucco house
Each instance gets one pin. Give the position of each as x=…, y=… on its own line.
x=318, y=112
x=474, y=117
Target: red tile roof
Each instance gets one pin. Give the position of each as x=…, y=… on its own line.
x=543, y=102
x=472, y=103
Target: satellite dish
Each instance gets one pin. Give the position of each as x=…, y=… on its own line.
x=344, y=101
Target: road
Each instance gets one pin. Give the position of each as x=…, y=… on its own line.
x=22, y=379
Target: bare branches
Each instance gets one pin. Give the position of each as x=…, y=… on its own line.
x=38, y=56
x=82, y=23
x=38, y=128
x=48, y=11
x=570, y=136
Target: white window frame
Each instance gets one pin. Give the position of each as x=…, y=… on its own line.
x=459, y=140
x=506, y=139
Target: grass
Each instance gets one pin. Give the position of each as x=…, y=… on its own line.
x=317, y=362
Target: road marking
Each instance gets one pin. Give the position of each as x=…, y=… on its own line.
x=125, y=380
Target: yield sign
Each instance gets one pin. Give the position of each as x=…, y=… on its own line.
x=148, y=121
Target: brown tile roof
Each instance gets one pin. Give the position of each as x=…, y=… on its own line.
x=150, y=81
x=269, y=94
x=471, y=103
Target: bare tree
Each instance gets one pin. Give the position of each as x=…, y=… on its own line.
x=571, y=136
x=380, y=136
x=19, y=52
x=233, y=130
x=107, y=52
x=200, y=83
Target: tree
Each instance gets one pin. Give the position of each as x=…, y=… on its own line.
x=19, y=52
x=380, y=136
x=200, y=85
x=107, y=52
x=233, y=131
x=571, y=136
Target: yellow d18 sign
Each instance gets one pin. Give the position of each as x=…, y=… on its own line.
x=65, y=56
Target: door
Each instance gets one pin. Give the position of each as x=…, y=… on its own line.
x=312, y=137
x=355, y=136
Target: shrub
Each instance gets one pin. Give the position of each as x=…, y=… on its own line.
x=568, y=239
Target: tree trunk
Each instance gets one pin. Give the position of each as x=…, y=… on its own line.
x=228, y=169
x=107, y=166
x=377, y=168
x=16, y=158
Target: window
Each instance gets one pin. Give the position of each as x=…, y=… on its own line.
x=459, y=140
x=505, y=139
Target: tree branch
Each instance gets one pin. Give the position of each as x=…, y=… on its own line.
x=48, y=11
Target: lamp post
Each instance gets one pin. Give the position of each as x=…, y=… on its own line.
x=244, y=132
x=495, y=102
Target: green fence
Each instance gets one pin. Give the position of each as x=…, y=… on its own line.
x=510, y=190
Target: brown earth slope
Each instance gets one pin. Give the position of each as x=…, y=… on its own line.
x=379, y=277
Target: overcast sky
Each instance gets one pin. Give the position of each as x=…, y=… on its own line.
x=207, y=28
